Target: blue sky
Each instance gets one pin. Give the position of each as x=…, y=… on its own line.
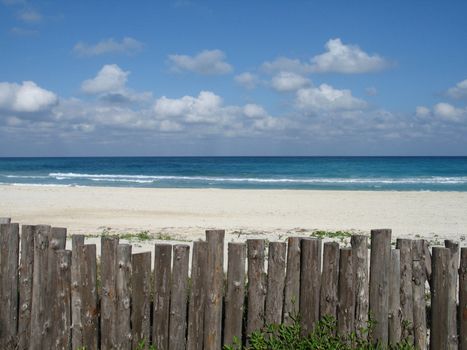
x=233, y=78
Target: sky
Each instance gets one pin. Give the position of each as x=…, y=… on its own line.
x=182, y=78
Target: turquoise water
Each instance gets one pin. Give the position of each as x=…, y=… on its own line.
x=324, y=173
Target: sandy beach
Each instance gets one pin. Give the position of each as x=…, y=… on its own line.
x=184, y=214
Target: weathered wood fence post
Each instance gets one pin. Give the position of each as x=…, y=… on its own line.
x=463, y=300
x=329, y=280
x=162, y=281
x=213, y=301
x=235, y=296
x=379, y=283
x=179, y=297
x=345, y=309
x=276, y=281
x=439, y=335
x=25, y=285
x=418, y=290
x=108, y=292
x=359, y=245
x=406, y=294
x=198, y=295
x=310, y=279
x=256, y=285
x=292, y=280
x=395, y=324
x=141, y=299
x=9, y=257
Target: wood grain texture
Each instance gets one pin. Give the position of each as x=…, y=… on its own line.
x=235, y=296
x=359, y=244
x=256, y=285
x=406, y=294
x=395, y=314
x=141, y=299
x=310, y=279
x=418, y=288
x=439, y=335
x=108, y=292
x=346, y=310
x=197, y=296
x=276, y=281
x=123, y=287
x=292, y=280
x=162, y=280
x=214, y=294
x=26, y=266
x=179, y=297
x=463, y=300
x=77, y=241
x=9, y=257
x=330, y=280
x=379, y=283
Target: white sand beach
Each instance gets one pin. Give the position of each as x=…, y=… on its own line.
x=184, y=214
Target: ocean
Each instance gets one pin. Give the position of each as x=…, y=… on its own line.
x=312, y=173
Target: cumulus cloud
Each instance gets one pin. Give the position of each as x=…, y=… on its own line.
x=459, y=91
x=327, y=98
x=205, y=108
x=449, y=112
x=289, y=81
x=127, y=45
x=110, y=79
x=347, y=59
x=26, y=97
x=247, y=80
x=206, y=62
x=252, y=110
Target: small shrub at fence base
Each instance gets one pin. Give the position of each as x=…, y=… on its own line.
x=286, y=337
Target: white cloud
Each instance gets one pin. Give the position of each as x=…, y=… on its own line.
x=326, y=98
x=422, y=111
x=459, y=91
x=110, y=79
x=25, y=97
x=206, y=108
x=284, y=64
x=252, y=110
x=348, y=59
x=247, y=80
x=448, y=112
x=30, y=16
x=127, y=46
x=289, y=81
x=205, y=62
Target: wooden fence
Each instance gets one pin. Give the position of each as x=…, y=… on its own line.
x=52, y=298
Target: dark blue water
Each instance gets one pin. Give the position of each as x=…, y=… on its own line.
x=324, y=173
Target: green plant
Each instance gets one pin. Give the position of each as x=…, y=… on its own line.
x=331, y=234
x=286, y=337
x=142, y=346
